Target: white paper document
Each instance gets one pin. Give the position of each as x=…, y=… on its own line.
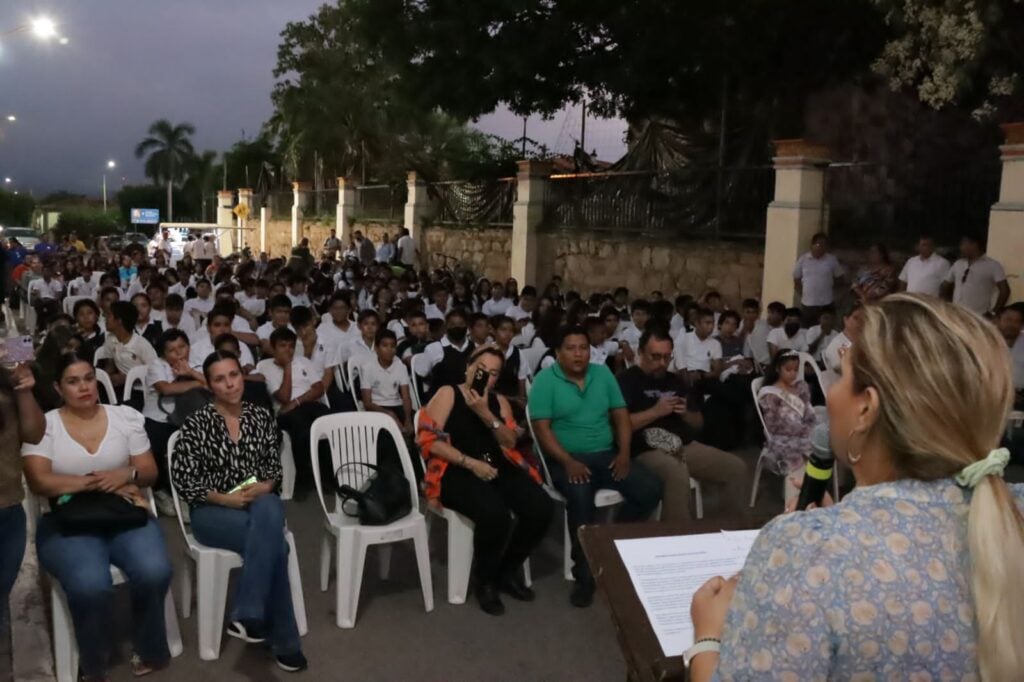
x=666, y=571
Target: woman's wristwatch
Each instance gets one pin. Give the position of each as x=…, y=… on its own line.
x=701, y=646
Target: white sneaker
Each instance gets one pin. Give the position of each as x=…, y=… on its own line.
x=164, y=503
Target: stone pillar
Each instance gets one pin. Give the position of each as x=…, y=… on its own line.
x=225, y=220
x=242, y=235
x=794, y=216
x=418, y=209
x=527, y=213
x=300, y=200
x=1006, y=219
x=346, y=211
x=264, y=219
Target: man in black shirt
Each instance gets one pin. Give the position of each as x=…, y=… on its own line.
x=666, y=419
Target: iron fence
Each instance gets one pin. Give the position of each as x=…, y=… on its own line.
x=485, y=202
x=868, y=203
x=381, y=202
x=702, y=202
x=322, y=203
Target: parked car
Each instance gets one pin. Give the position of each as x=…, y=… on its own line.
x=119, y=241
x=26, y=235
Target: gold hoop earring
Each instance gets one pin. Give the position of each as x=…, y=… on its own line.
x=850, y=456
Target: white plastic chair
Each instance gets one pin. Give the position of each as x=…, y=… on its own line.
x=213, y=570
x=100, y=354
x=352, y=367
x=353, y=441
x=806, y=359
x=755, y=388
x=532, y=356
x=104, y=379
x=340, y=379
x=69, y=304
x=418, y=374
x=460, y=546
x=65, y=646
x=136, y=375
x=287, y=467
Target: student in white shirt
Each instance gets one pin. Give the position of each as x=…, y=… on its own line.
x=175, y=318
x=832, y=356
x=497, y=304
x=754, y=330
x=523, y=310
x=1011, y=325
x=43, y=295
x=698, y=353
x=297, y=291
x=280, y=313
x=440, y=306
x=218, y=323
x=157, y=293
x=511, y=382
x=298, y=395
x=925, y=272
x=820, y=335
x=602, y=351
x=198, y=307
x=252, y=302
x=789, y=336
x=384, y=382
x=975, y=280
x=338, y=328
x=313, y=347
x=359, y=347
x=84, y=284
x=125, y=349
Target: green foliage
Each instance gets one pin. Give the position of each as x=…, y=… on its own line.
x=16, y=209
x=87, y=222
x=254, y=164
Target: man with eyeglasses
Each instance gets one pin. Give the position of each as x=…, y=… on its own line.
x=976, y=279
x=666, y=419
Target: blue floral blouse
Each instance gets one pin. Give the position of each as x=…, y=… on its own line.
x=877, y=587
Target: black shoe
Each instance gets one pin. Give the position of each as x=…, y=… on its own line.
x=250, y=631
x=515, y=587
x=490, y=602
x=582, y=594
x=292, y=663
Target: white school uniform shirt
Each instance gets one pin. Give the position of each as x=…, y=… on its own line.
x=264, y=331
x=434, y=352
x=677, y=324
x=756, y=344
x=178, y=289
x=199, y=305
x=136, y=287
x=398, y=327
x=40, y=289
x=777, y=337
x=925, y=276
x=80, y=286
x=185, y=324
x=354, y=348
x=157, y=371
x=330, y=335
x=125, y=438
x=432, y=312
x=817, y=277
x=631, y=335
x=813, y=334
x=974, y=284
x=517, y=313
x=693, y=354
x=384, y=383
x=202, y=346
x=831, y=356
x=304, y=375
x=300, y=299
x=491, y=307
x=158, y=316
x=406, y=250
x=525, y=337
x=127, y=356
x=254, y=305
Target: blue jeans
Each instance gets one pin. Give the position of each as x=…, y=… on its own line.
x=81, y=564
x=641, y=488
x=262, y=592
x=12, y=550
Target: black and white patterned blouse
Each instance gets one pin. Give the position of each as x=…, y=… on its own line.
x=205, y=457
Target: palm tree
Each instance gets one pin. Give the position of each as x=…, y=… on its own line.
x=169, y=150
x=203, y=171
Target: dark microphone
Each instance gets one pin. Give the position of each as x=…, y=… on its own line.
x=818, y=473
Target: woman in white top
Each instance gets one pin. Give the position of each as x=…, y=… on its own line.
x=88, y=447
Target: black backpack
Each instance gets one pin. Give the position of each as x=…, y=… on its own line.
x=382, y=499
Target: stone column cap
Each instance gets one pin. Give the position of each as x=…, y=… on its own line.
x=1013, y=133
x=344, y=183
x=533, y=168
x=302, y=185
x=413, y=178
x=799, y=151
x=225, y=193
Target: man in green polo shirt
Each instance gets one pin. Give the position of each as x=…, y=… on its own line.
x=573, y=406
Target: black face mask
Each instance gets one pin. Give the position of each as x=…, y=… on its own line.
x=792, y=328
x=457, y=334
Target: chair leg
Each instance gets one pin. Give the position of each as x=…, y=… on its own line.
x=527, y=577
x=350, y=558
x=287, y=474
x=384, y=561
x=212, y=597
x=567, y=545
x=698, y=500
x=325, y=561
x=757, y=482
x=460, y=559
x=423, y=563
x=171, y=625
x=295, y=582
x=185, y=587
x=65, y=649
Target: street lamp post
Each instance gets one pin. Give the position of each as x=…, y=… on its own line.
x=110, y=165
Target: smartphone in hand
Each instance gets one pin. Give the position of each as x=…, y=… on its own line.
x=480, y=381
x=16, y=350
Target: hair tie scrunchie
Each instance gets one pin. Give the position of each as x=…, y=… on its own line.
x=992, y=465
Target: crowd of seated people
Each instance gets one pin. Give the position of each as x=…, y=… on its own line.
x=636, y=394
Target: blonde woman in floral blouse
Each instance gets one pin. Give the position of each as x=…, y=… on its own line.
x=915, y=575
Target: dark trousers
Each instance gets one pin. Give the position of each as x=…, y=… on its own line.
x=500, y=543
x=46, y=310
x=809, y=315
x=12, y=550
x=159, y=433
x=296, y=424
x=641, y=488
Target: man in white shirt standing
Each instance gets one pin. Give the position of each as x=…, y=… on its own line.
x=406, y=249
x=976, y=279
x=924, y=273
x=816, y=275
x=386, y=250
x=43, y=294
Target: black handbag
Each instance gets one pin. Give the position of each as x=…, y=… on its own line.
x=96, y=512
x=383, y=498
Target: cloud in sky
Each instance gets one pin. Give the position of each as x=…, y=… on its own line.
x=130, y=62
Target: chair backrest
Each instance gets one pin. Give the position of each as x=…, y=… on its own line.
x=353, y=439
x=353, y=374
x=136, y=375
x=808, y=359
x=539, y=450
x=100, y=354
x=108, y=386
x=414, y=391
x=69, y=303
x=532, y=356
x=755, y=388
x=339, y=378
x=171, y=442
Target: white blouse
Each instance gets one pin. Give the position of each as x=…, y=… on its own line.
x=125, y=438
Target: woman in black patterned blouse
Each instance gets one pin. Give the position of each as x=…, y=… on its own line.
x=226, y=466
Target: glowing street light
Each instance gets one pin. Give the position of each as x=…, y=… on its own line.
x=43, y=28
x=63, y=40
x=12, y=118
x=8, y=180
x=111, y=164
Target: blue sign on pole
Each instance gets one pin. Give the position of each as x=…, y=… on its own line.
x=145, y=216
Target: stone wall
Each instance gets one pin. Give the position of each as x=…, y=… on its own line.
x=487, y=250
x=589, y=262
